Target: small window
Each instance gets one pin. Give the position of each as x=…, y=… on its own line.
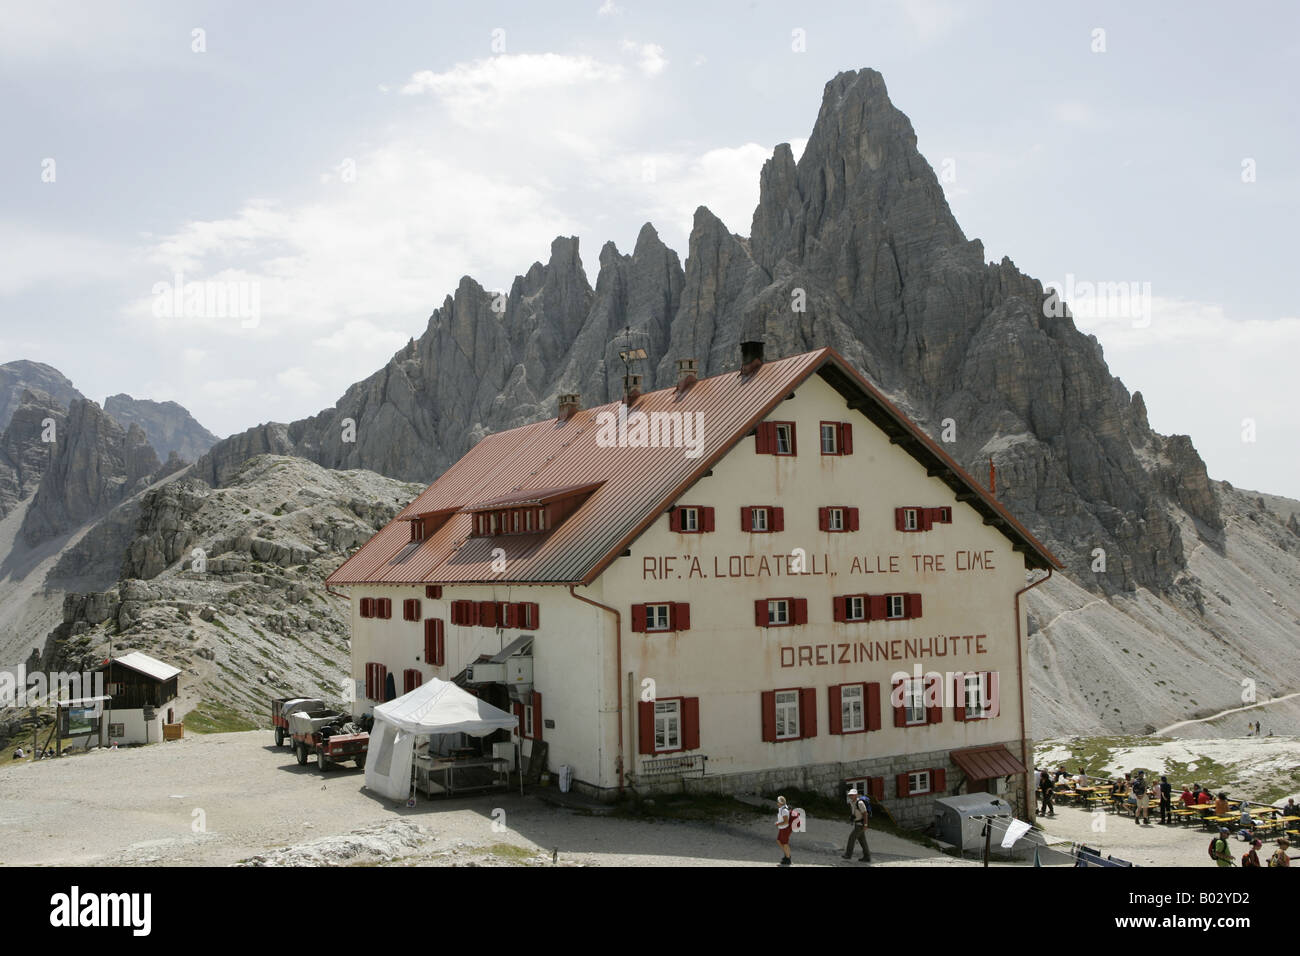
x=758, y=519
x=945, y=516
x=528, y=720
x=855, y=608
x=835, y=518
x=541, y=519
x=830, y=438
x=778, y=612
x=894, y=605
x=785, y=439
x=658, y=617
x=918, y=781
x=514, y=521
x=690, y=519
x=528, y=520
x=914, y=700
x=911, y=520
x=975, y=698
x=852, y=714
x=668, y=725
x=787, y=714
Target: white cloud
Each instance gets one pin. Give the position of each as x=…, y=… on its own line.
x=650, y=57
x=490, y=83
x=608, y=8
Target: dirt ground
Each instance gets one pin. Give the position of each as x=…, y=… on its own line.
x=221, y=798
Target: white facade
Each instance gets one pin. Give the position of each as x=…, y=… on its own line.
x=965, y=571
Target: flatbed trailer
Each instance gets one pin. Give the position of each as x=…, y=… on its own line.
x=311, y=737
x=282, y=707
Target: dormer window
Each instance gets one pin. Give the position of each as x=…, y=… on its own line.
x=528, y=512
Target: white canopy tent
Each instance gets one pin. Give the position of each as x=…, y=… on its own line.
x=436, y=707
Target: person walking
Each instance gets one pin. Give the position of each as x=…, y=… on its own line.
x=783, y=829
x=1047, y=792
x=1166, y=801
x=1219, y=851
x=1142, y=813
x=859, y=817
x=1251, y=856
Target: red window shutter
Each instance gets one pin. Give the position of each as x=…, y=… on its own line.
x=381, y=681
x=876, y=788
x=938, y=780
x=823, y=519
x=851, y=518
x=776, y=519
x=706, y=519
x=879, y=607
x=638, y=618
x=411, y=679
x=765, y=443
x=900, y=522
x=912, y=605
x=799, y=610
x=471, y=613
x=925, y=518
x=675, y=519
x=430, y=639
x=995, y=705
x=846, y=438
x=537, y=716
x=518, y=710
x=747, y=518
x=645, y=720
x=760, y=612
x=455, y=612
x=440, y=658
x=690, y=723
x=873, y=706
x=681, y=617
x=835, y=711
x=367, y=607
x=807, y=712
x=433, y=591
x=901, y=779
x=510, y=613
x=841, y=608
x=386, y=608
x=769, y=715
x=934, y=691
x=900, y=712
x=794, y=446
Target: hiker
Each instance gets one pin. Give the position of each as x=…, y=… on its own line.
x=1166, y=801
x=1279, y=857
x=1257, y=728
x=1187, y=798
x=859, y=817
x=18, y=754
x=1048, y=794
x=1119, y=793
x=1291, y=809
x=1251, y=856
x=1082, y=779
x=783, y=829
x=1142, y=813
x=1221, y=807
x=1245, y=821
x=1219, y=851
x=1205, y=798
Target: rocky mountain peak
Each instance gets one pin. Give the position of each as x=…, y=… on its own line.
x=168, y=426
x=22, y=375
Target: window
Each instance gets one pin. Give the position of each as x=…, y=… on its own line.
x=668, y=725
x=775, y=438
x=837, y=438
x=529, y=715
x=780, y=612
x=433, y=591
x=855, y=608
x=787, y=714
x=910, y=519
x=376, y=679
x=417, y=529
x=913, y=701
x=661, y=617
x=529, y=615
x=383, y=608
x=915, y=783
x=411, y=679
x=974, y=696
x=852, y=708
x=762, y=519
x=528, y=720
x=411, y=609
x=528, y=520
x=921, y=519
x=918, y=781
x=837, y=518
x=367, y=607
x=658, y=617
x=894, y=606
x=691, y=519
x=830, y=439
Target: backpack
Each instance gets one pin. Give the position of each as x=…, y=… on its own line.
x=1213, y=840
x=1139, y=787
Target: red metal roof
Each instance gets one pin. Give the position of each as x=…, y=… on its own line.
x=980, y=763
x=633, y=485
x=539, y=496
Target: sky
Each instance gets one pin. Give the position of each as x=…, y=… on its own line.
x=331, y=170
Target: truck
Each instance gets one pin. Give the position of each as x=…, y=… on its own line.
x=328, y=735
x=282, y=707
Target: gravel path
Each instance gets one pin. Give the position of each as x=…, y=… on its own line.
x=222, y=798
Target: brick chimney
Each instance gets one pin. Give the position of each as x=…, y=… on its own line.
x=751, y=357
x=569, y=405
x=631, y=388
x=687, y=373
